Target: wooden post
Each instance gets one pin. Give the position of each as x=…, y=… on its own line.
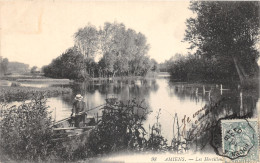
x=149, y=135
x=55, y=114
x=203, y=90
x=241, y=100
x=221, y=90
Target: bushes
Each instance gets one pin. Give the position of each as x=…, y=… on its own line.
x=26, y=133
x=120, y=128
x=25, y=130
x=202, y=69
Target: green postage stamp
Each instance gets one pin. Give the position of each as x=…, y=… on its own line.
x=240, y=140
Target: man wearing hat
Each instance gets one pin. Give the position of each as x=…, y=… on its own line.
x=78, y=110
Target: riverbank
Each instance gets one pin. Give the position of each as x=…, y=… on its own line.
x=148, y=76
x=33, y=78
x=9, y=94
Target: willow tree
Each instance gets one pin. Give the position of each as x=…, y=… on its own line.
x=87, y=41
x=227, y=32
x=123, y=49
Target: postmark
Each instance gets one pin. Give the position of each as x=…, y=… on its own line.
x=240, y=139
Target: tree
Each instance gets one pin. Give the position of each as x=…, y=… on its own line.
x=17, y=67
x=69, y=65
x=87, y=41
x=154, y=66
x=123, y=49
x=124, y=52
x=226, y=31
x=4, y=65
x=33, y=69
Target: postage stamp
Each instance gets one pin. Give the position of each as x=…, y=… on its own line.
x=240, y=139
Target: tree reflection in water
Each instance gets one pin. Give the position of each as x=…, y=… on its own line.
x=203, y=136
x=203, y=133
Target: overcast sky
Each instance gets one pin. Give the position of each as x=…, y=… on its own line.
x=35, y=32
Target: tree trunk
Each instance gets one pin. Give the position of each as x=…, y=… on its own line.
x=241, y=73
x=114, y=74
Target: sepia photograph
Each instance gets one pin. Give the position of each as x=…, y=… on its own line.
x=94, y=81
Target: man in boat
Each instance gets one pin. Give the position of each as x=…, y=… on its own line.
x=79, y=110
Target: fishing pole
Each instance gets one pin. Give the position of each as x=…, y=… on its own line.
x=80, y=113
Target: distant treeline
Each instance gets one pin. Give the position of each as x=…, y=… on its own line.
x=121, y=52
x=7, y=67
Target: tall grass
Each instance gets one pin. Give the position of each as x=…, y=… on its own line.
x=8, y=94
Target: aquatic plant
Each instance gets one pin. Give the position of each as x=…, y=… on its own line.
x=8, y=94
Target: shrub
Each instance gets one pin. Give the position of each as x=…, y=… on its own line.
x=25, y=130
x=15, y=84
x=120, y=128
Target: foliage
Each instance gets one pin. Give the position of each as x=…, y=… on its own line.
x=3, y=65
x=87, y=40
x=34, y=69
x=120, y=128
x=192, y=68
x=123, y=51
x=156, y=141
x=8, y=94
x=69, y=65
x=226, y=32
x=25, y=130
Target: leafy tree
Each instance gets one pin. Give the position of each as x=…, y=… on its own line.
x=123, y=49
x=87, y=41
x=69, y=65
x=226, y=32
x=154, y=66
x=33, y=69
x=4, y=65
x=124, y=53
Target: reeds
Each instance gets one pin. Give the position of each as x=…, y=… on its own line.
x=9, y=94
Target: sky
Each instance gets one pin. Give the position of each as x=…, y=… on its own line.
x=35, y=32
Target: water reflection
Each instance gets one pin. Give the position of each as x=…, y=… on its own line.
x=174, y=99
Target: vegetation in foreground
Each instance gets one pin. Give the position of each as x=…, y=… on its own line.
x=26, y=133
x=9, y=94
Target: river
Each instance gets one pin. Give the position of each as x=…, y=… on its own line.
x=162, y=96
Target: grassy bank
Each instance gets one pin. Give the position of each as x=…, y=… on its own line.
x=9, y=94
x=32, y=78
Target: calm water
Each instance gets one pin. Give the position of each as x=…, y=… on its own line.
x=172, y=98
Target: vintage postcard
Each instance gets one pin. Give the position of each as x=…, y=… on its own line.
x=129, y=81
